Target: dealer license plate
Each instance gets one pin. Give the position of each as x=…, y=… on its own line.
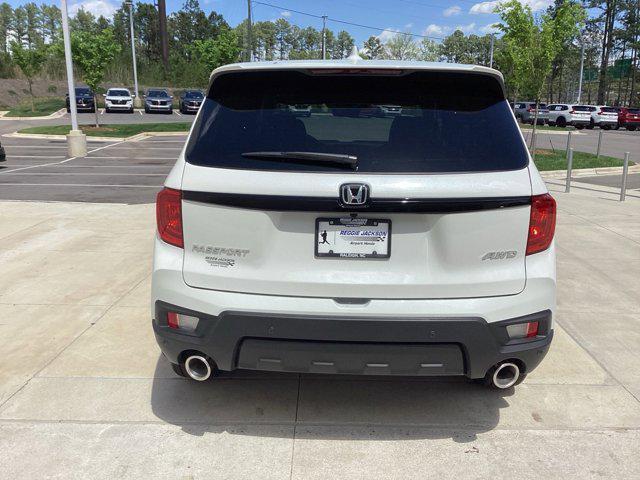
x=353, y=238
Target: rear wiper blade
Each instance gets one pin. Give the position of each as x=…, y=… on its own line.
x=306, y=157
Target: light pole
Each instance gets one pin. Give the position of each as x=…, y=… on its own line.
x=493, y=38
x=324, y=37
x=76, y=140
x=136, y=98
x=581, y=71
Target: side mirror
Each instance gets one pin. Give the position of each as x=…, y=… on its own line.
x=133, y=95
x=104, y=95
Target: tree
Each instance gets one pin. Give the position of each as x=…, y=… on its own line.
x=214, y=53
x=532, y=43
x=93, y=53
x=401, y=47
x=373, y=48
x=428, y=50
x=343, y=45
x=30, y=62
x=606, y=22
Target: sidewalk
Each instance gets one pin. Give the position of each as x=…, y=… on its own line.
x=85, y=393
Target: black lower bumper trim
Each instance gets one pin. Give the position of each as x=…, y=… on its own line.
x=464, y=346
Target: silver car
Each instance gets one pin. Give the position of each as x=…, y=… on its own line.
x=526, y=111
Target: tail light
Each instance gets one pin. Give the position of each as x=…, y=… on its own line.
x=169, y=216
x=542, y=223
x=572, y=112
x=530, y=110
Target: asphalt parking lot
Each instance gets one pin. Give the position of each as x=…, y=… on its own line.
x=112, y=172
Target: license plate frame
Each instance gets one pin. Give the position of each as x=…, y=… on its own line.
x=352, y=223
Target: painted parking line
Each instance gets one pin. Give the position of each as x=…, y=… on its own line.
x=140, y=112
x=87, y=174
x=102, y=111
x=77, y=185
x=36, y=156
x=114, y=157
x=178, y=113
x=4, y=172
x=35, y=146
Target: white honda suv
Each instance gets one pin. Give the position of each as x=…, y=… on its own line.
x=342, y=242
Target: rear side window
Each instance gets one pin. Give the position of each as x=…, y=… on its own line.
x=413, y=122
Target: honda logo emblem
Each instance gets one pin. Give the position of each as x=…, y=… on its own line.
x=354, y=194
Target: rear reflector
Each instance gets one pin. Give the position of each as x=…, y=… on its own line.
x=542, y=223
x=179, y=321
x=522, y=330
x=169, y=216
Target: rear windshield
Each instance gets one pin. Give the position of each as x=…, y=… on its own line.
x=634, y=111
x=446, y=122
x=584, y=108
x=609, y=110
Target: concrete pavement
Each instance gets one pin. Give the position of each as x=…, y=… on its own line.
x=84, y=392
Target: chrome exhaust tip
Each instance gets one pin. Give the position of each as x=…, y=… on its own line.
x=506, y=375
x=198, y=368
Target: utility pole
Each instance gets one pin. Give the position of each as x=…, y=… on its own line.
x=76, y=140
x=164, y=43
x=249, y=35
x=324, y=37
x=136, y=98
x=581, y=71
x=493, y=38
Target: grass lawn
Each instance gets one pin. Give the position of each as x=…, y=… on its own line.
x=526, y=126
x=44, y=106
x=550, y=160
x=112, y=130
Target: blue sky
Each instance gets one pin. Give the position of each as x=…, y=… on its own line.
x=434, y=18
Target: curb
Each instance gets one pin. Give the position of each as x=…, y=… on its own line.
x=132, y=138
x=588, y=172
x=58, y=114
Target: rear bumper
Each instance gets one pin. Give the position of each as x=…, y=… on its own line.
x=353, y=345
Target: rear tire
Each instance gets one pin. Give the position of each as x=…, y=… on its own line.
x=561, y=122
x=631, y=128
x=579, y=127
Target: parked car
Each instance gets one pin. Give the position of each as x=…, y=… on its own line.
x=118, y=99
x=85, y=100
x=158, y=100
x=190, y=101
x=421, y=246
x=300, y=110
x=563, y=114
x=526, y=111
x=391, y=110
x=604, y=117
x=3, y=155
x=629, y=118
